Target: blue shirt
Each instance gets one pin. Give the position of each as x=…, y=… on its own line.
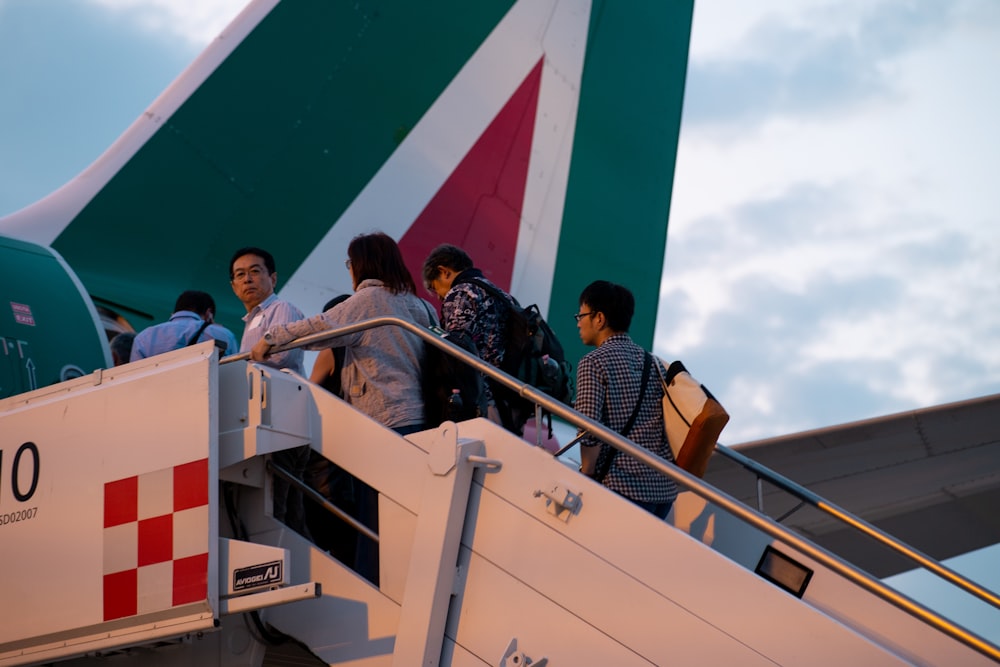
x=176, y=333
x=272, y=312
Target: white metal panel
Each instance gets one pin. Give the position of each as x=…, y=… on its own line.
x=433, y=562
x=893, y=627
x=397, y=528
x=116, y=429
x=352, y=623
x=623, y=572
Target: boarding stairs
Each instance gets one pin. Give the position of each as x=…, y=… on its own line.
x=491, y=551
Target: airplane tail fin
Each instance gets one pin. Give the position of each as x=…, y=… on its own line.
x=539, y=134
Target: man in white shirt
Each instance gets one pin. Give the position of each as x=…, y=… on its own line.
x=253, y=277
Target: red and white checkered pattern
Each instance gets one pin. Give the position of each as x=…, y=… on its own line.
x=156, y=540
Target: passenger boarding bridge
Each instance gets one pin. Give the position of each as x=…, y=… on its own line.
x=136, y=528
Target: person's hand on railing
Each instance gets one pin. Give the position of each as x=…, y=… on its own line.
x=260, y=351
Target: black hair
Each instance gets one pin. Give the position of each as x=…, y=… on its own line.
x=195, y=301
x=615, y=301
x=252, y=250
x=377, y=256
x=447, y=255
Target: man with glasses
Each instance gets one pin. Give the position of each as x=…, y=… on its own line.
x=253, y=277
x=618, y=386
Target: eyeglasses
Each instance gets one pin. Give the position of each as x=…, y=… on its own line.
x=254, y=272
x=347, y=263
x=579, y=316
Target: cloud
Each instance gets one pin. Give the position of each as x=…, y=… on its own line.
x=811, y=62
x=834, y=228
x=196, y=21
x=804, y=310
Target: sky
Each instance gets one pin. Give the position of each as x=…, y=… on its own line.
x=834, y=237
x=833, y=241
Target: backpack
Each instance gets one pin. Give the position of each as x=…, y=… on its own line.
x=532, y=354
x=441, y=374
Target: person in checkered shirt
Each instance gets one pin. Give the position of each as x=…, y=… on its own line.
x=608, y=384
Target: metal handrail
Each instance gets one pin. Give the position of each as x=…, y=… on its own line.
x=814, y=500
x=696, y=485
x=321, y=500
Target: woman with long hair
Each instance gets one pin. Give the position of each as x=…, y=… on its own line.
x=381, y=368
x=381, y=372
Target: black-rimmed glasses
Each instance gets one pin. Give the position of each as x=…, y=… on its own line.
x=255, y=272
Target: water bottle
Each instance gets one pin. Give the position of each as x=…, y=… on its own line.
x=550, y=370
x=455, y=405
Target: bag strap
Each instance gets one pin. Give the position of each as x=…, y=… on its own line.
x=494, y=291
x=663, y=380
x=430, y=317
x=508, y=304
x=675, y=369
x=646, y=363
x=198, y=333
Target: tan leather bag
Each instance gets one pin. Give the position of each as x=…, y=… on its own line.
x=692, y=418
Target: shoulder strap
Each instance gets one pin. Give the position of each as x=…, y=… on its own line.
x=430, y=318
x=647, y=362
x=198, y=333
x=664, y=382
x=675, y=369
x=493, y=290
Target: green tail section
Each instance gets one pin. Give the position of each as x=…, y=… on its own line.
x=311, y=108
x=271, y=149
x=618, y=198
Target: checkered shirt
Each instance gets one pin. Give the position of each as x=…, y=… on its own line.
x=608, y=381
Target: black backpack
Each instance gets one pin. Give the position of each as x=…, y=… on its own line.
x=441, y=374
x=532, y=354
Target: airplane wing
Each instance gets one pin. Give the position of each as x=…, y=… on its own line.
x=929, y=477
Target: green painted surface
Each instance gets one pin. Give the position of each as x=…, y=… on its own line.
x=621, y=176
x=37, y=351
x=271, y=149
x=287, y=131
